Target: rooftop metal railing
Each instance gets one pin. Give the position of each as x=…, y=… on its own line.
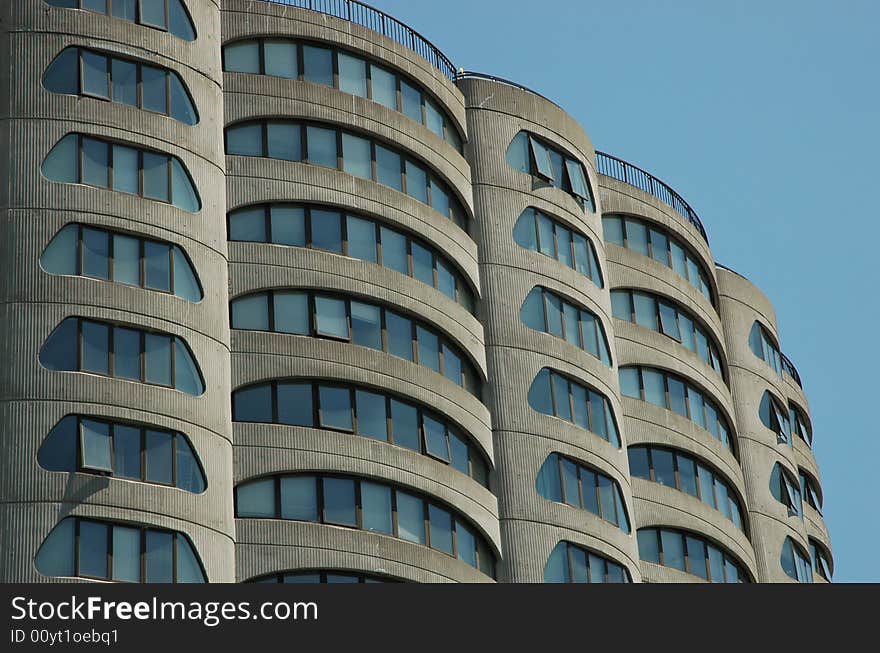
x=611, y=166
x=378, y=21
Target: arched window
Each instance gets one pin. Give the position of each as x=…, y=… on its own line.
x=94, y=445
x=664, y=316
x=122, y=352
x=672, y=392
x=685, y=473
x=581, y=486
x=764, y=347
x=335, y=317
x=691, y=553
x=785, y=490
x=335, y=230
x=557, y=395
x=539, y=232
x=102, y=550
x=165, y=15
x=658, y=243
x=365, y=505
x=79, y=71
x=533, y=155
x=570, y=563
x=82, y=159
x=346, y=71
x=795, y=562
x=87, y=251
x=362, y=411
x=325, y=145
x=544, y=310
x=774, y=416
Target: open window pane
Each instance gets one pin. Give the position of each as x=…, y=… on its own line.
x=541, y=158
x=331, y=317
x=435, y=439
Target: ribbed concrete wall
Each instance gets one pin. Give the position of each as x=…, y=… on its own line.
x=531, y=525
x=33, y=302
x=272, y=546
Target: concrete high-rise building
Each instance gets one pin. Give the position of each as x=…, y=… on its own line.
x=286, y=298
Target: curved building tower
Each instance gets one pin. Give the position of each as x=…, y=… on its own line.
x=287, y=299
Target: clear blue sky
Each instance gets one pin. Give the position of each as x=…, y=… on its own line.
x=765, y=116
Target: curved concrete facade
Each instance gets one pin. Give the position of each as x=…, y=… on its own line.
x=518, y=525
x=33, y=302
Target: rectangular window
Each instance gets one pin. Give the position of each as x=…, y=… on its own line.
x=458, y=450
x=612, y=230
x=318, y=65
x=673, y=549
x=439, y=198
x=669, y=320
x=95, y=445
x=124, y=9
x=299, y=498
x=416, y=182
x=553, y=312
x=157, y=266
x=331, y=317
x=384, y=86
x=251, y=313
x=441, y=529
x=366, y=325
x=638, y=462
x=399, y=334
x=601, y=423
x=158, y=456
x=649, y=549
x=280, y=59
x=126, y=554
x=707, y=486
x=125, y=169
x=95, y=74
x=630, y=385
x=637, y=236
x=92, y=559
x=410, y=518
x=326, y=230
x=546, y=238
x=696, y=552
x=288, y=225
x=245, y=140
x=95, y=347
x=242, y=57
x=157, y=359
x=340, y=506
x=433, y=118
x=687, y=475
x=388, y=168
x=466, y=544
x=541, y=158
x=571, y=317
x=126, y=451
x=321, y=144
x=646, y=311
x=411, y=99
x=677, y=401
x=563, y=246
x=679, y=258
x=695, y=400
x=154, y=89
x=576, y=176
x=372, y=420
x=445, y=279
x=126, y=353
x=655, y=387
x=606, y=497
x=435, y=439
x=356, y=157
x=429, y=349
x=659, y=247
x=159, y=557
x=664, y=467
x=452, y=367
x=95, y=162
x=570, y=483
x=283, y=140
x=405, y=425
x=256, y=499
x=556, y=162
x=588, y=487
x=686, y=331
x=253, y=404
x=335, y=408
x=352, y=75
x=156, y=176
x=361, y=236
x=561, y=398
x=295, y=404
x=716, y=565
x=126, y=260
x=124, y=75
x=291, y=311
x=423, y=264
x=376, y=507
x=96, y=253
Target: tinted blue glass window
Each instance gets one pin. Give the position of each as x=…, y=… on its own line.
x=335, y=411
x=318, y=65
x=126, y=353
x=339, y=501
x=245, y=140
x=154, y=89
x=93, y=545
x=384, y=86
x=155, y=176
x=356, y=157
x=250, y=313
x=96, y=253
x=299, y=498
x=416, y=182
x=405, y=425
x=158, y=457
x=283, y=141
x=361, y=238
x=95, y=163
x=95, y=74
x=159, y=557
x=399, y=332
x=180, y=23
x=62, y=163
x=394, y=251
x=371, y=418
x=410, y=518
x=95, y=347
x=126, y=554
x=376, y=506
x=295, y=404
x=242, y=57
x=291, y=312
x=288, y=224
x=157, y=359
x=59, y=350
x=256, y=499
x=366, y=325
x=322, y=146
x=280, y=58
x=157, y=266
x=326, y=230
x=62, y=76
